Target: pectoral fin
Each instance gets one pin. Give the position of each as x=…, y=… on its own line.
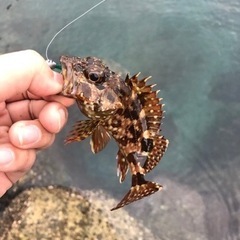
x=99, y=140
x=81, y=130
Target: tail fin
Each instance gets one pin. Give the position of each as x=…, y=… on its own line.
x=140, y=189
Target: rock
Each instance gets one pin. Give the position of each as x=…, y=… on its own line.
x=61, y=213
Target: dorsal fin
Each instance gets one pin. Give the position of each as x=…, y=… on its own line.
x=151, y=106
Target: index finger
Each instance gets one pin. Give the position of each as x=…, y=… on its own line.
x=27, y=71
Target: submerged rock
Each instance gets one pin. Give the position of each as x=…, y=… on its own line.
x=177, y=212
x=60, y=213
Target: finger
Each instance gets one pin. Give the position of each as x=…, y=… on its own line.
x=30, y=135
x=8, y=179
x=6, y=183
x=67, y=102
x=5, y=119
x=4, y=137
x=14, y=159
x=27, y=70
x=53, y=117
x=25, y=95
x=16, y=175
x=25, y=110
x=29, y=110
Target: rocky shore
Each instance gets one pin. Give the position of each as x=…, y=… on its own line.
x=60, y=213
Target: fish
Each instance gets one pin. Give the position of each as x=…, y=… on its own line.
x=125, y=109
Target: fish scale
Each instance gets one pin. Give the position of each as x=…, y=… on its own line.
x=127, y=110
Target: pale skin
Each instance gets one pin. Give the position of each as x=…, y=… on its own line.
x=31, y=112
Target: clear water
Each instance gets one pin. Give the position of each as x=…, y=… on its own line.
x=192, y=50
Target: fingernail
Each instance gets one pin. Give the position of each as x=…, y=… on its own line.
x=28, y=134
x=6, y=156
x=62, y=118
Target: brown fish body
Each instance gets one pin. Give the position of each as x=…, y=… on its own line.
x=128, y=110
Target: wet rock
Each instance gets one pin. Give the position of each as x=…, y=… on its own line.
x=60, y=213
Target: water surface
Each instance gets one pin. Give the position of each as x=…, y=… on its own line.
x=191, y=48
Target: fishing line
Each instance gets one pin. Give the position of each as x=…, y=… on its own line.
x=52, y=63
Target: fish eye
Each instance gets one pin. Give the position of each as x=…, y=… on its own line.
x=93, y=76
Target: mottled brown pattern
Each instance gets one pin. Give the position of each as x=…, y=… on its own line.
x=129, y=111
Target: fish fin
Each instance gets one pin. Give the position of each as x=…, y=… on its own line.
x=122, y=166
x=81, y=130
x=152, y=108
x=140, y=189
x=100, y=138
x=160, y=145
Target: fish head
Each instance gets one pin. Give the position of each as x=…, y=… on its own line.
x=92, y=84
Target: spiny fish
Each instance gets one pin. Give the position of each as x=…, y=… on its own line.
x=127, y=110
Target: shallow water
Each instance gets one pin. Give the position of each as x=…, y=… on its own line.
x=191, y=48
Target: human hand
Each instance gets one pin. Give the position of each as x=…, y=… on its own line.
x=30, y=112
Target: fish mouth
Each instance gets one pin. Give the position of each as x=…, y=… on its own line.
x=69, y=82
x=75, y=84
